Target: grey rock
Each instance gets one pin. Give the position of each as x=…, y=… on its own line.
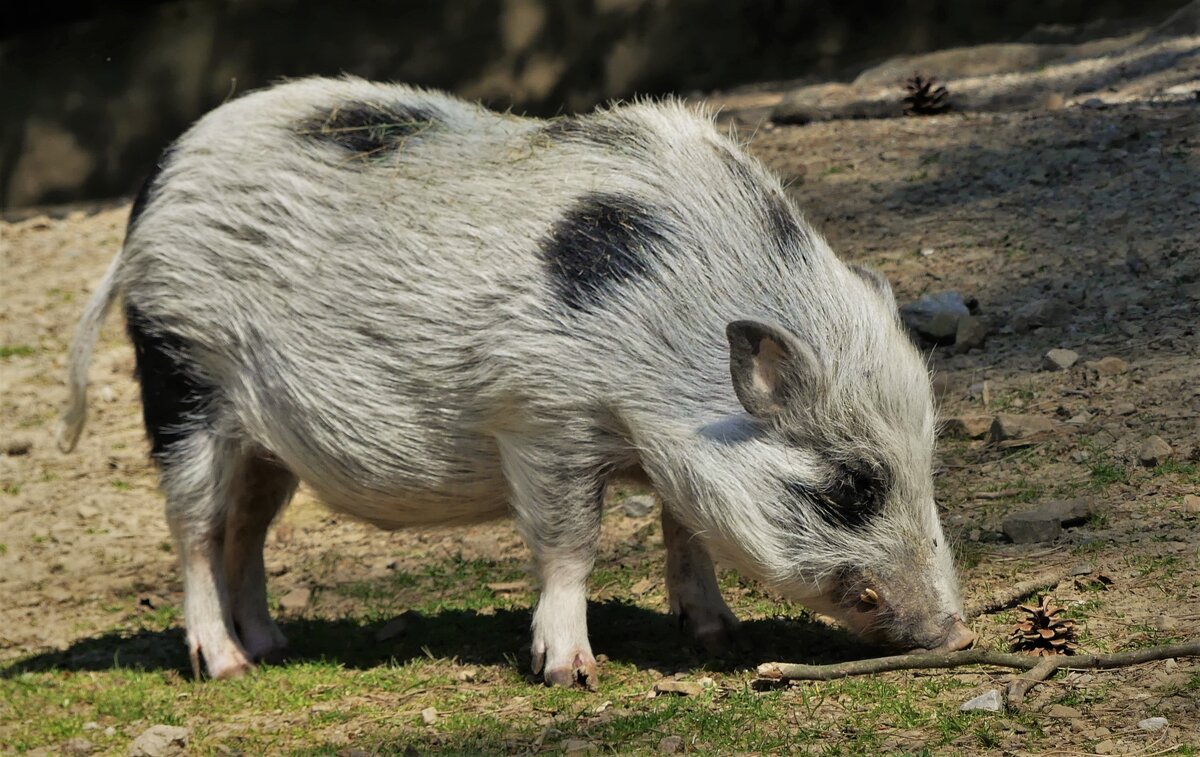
x=578, y=746
x=429, y=715
x=1124, y=408
x=1152, y=724
x=935, y=316
x=966, y=426
x=1059, y=359
x=1191, y=503
x=1038, y=314
x=971, y=332
x=1082, y=569
x=639, y=506
x=1154, y=451
x=988, y=701
x=1005, y=427
x=670, y=744
x=159, y=740
x=682, y=688
x=77, y=746
x=1072, y=512
x=1032, y=526
x=1063, y=711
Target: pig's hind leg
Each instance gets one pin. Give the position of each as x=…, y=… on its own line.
x=692, y=588
x=198, y=462
x=261, y=489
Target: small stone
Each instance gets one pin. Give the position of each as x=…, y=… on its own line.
x=1108, y=746
x=935, y=316
x=77, y=746
x=1154, y=451
x=1053, y=101
x=110, y=731
x=988, y=701
x=429, y=715
x=639, y=506
x=1038, y=314
x=1152, y=724
x=966, y=426
x=1005, y=427
x=1059, y=359
x=670, y=744
x=18, y=447
x=1062, y=711
x=1165, y=623
x=1082, y=569
x=91, y=725
x=296, y=600
x=159, y=740
x=1108, y=366
x=1191, y=503
x=1072, y=512
x=706, y=682
x=578, y=746
x=87, y=512
x=468, y=676
x=927, y=252
x=682, y=688
x=1124, y=408
x=1033, y=526
x=971, y=333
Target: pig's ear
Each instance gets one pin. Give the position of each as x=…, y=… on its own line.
x=771, y=367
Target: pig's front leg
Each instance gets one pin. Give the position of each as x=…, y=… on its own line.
x=692, y=588
x=558, y=514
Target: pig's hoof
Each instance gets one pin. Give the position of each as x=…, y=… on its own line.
x=581, y=673
x=229, y=663
x=716, y=633
x=266, y=642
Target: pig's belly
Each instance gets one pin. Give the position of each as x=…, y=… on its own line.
x=460, y=502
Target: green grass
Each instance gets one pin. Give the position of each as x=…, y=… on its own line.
x=15, y=350
x=342, y=688
x=1106, y=473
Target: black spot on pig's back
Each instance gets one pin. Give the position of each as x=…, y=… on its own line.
x=147, y=190
x=604, y=242
x=367, y=129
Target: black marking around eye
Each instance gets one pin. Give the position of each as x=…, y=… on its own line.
x=368, y=129
x=605, y=241
x=851, y=499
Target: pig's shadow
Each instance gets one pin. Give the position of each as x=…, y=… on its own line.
x=622, y=631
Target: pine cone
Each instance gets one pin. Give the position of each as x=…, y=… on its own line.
x=1041, y=633
x=923, y=99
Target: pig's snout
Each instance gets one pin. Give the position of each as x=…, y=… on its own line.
x=958, y=636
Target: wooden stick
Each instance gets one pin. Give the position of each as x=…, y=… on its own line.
x=1010, y=596
x=786, y=671
x=1020, y=685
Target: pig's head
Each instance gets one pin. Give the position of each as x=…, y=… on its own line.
x=825, y=489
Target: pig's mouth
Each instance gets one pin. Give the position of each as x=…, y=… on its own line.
x=958, y=637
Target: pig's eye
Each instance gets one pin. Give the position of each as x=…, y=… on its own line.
x=854, y=495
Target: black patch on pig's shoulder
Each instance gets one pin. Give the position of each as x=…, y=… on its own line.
x=173, y=400
x=786, y=233
x=590, y=130
x=850, y=500
x=367, y=129
x=605, y=241
x=147, y=189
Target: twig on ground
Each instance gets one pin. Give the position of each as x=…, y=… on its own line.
x=1020, y=685
x=1013, y=594
x=786, y=671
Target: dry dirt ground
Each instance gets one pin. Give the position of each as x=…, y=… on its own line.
x=1090, y=200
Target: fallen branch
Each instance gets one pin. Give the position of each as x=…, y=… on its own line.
x=1020, y=685
x=1015, y=593
x=786, y=671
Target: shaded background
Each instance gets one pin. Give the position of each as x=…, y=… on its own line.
x=94, y=90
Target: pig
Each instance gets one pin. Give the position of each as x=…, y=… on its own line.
x=434, y=314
